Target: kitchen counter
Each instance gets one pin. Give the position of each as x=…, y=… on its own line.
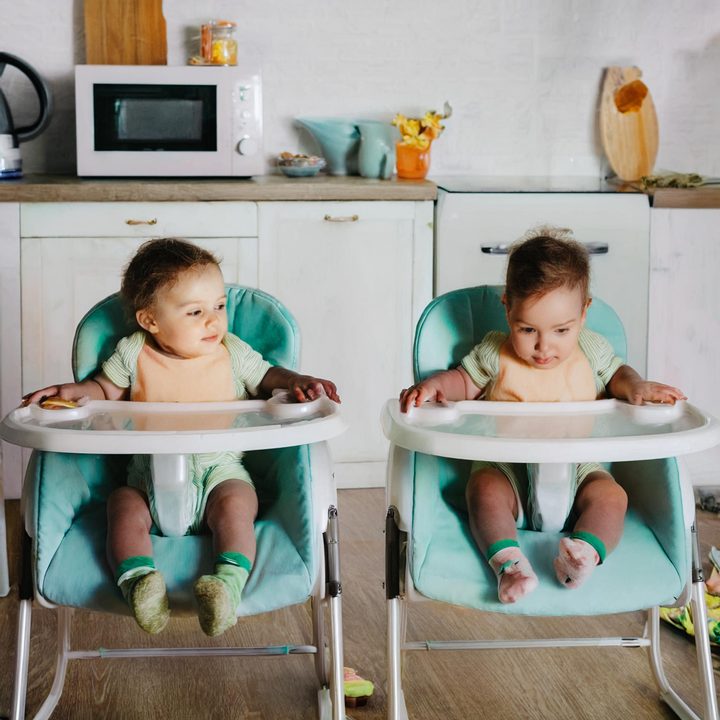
x=69, y=188
x=707, y=196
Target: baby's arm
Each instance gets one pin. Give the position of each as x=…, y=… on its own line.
x=443, y=386
x=98, y=388
x=304, y=388
x=626, y=384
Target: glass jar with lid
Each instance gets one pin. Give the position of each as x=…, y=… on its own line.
x=218, y=45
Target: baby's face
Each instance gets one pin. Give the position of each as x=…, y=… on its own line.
x=189, y=318
x=544, y=331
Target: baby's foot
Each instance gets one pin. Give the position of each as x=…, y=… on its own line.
x=575, y=562
x=215, y=610
x=149, y=602
x=516, y=578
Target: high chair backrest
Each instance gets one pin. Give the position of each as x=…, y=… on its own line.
x=257, y=318
x=454, y=323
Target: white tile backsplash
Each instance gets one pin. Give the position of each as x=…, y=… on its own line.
x=522, y=75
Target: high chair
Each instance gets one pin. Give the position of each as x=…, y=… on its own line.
x=430, y=551
x=65, y=493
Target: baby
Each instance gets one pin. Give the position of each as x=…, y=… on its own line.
x=183, y=352
x=549, y=356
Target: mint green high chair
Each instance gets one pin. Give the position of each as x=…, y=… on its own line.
x=430, y=551
x=65, y=493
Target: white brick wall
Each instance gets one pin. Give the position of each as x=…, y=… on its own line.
x=522, y=75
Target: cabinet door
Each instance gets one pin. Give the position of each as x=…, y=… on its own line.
x=684, y=332
x=617, y=226
x=62, y=278
x=345, y=271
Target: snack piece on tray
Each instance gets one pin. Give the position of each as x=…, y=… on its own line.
x=57, y=403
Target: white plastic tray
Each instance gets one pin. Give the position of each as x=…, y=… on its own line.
x=600, y=431
x=129, y=428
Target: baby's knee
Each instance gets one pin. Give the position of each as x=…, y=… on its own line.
x=606, y=493
x=232, y=501
x=127, y=500
x=488, y=485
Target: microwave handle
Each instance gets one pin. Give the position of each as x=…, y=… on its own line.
x=592, y=248
x=141, y=222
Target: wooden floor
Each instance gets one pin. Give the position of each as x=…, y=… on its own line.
x=545, y=683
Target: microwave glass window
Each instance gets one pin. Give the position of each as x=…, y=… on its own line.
x=173, y=118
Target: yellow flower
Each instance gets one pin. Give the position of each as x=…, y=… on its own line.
x=431, y=119
x=421, y=142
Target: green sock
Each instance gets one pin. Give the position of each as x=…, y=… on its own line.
x=218, y=595
x=143, y=588
x=130, y=571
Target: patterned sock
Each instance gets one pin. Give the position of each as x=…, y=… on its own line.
x=516, y=578
x=578, y=556
x=143, y=588
x=218, y=595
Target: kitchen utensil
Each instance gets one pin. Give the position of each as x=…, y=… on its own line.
x=10, y=136
x=125, y=32
x=376, y=157
x=628, y=123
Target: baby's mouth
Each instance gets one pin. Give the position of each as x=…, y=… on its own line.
x=212, y=338
x=543, y=361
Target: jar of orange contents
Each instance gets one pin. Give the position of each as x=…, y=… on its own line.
x=412, y=162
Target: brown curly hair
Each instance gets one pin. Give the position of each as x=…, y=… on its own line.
x=157, y=265
x=546, y=259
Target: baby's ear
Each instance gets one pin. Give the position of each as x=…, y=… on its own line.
x=146, y=321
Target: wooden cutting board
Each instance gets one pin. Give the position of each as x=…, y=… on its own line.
x=125, y=32
x=628, y=123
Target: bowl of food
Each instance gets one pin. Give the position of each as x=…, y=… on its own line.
x=300, y=165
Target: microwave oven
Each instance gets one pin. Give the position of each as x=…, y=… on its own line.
x=156, y=120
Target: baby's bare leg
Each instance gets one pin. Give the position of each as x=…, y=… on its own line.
x=129, y=525
x=493, y=511
x=601, y=505
x=129, y=553
x=230, y=514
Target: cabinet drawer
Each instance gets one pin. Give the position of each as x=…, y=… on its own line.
x=181, y=219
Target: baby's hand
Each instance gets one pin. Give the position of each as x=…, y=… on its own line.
x=66, y=391
x=420, y=393
x=654, y=392
x=305, y=388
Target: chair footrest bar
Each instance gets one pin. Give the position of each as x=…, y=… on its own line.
x=191, y=652
x=511, y=644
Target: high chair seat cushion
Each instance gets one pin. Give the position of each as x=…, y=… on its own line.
x=648, y=567
x=454, y=323
x=65, y=513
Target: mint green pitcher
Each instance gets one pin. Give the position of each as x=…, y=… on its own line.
x=376, y=157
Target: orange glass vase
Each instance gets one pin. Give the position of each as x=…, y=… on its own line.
x=412, y=163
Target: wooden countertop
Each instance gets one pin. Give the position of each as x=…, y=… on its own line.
x=707, y=196
x=69, y=188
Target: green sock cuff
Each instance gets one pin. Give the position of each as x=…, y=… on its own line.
x=496, y=547
x=132, y=563
x=593, y=540
x=233, y=558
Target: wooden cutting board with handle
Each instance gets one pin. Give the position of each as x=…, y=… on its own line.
x=628, y=123
x=125, y=32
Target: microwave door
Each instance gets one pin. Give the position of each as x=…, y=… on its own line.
x=133, y=123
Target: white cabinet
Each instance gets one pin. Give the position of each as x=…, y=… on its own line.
x=475, y=228
x=684, y=331
x=356, y=276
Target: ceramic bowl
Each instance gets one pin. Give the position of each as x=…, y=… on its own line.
x=301, y=167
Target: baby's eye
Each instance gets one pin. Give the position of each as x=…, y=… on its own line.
x=527, y=330
x=194, y=312
x=562, y=331
x=221, y=306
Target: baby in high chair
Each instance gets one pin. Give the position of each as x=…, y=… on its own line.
x=548, y=356
x=183, y=352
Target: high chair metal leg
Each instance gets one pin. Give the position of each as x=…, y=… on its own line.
x=702, y=647
x=64, y=617
x=319, y=641
x=22, y=654
x=395, y=620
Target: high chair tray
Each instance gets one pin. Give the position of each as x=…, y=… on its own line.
x=601, y=430
x=124, y=428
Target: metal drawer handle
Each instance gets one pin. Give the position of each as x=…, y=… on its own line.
x=592, y=248
x=345, y=218
x=141, y=222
